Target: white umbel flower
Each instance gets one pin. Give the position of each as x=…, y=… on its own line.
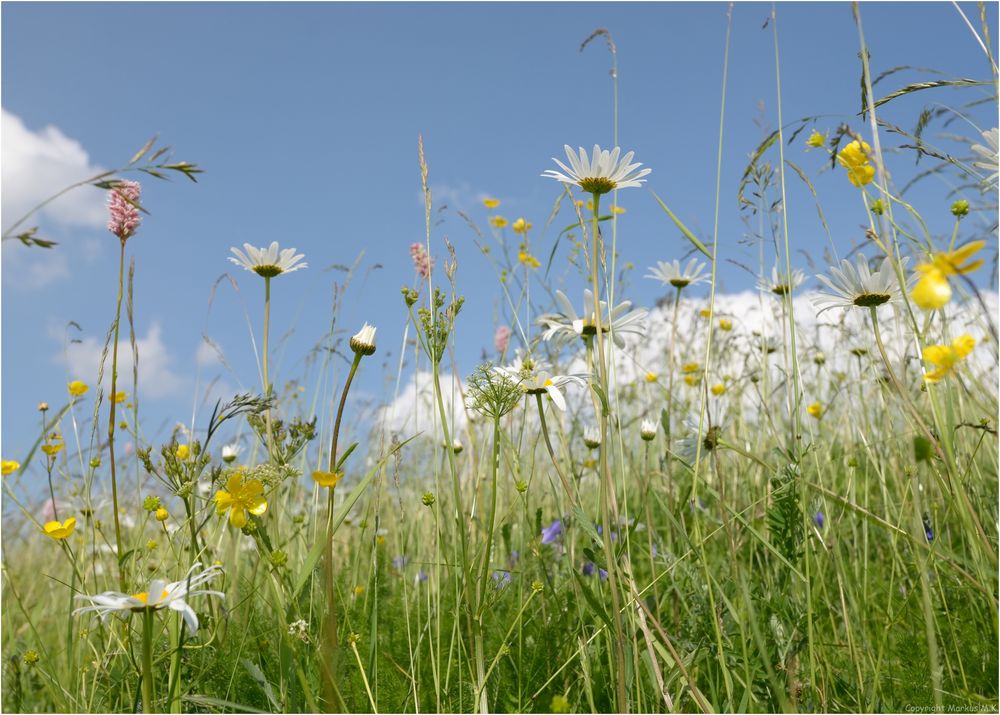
x=855, y=285
x=268, y=262
x=536, y=378
x=781, y=284
x=691, y=274
x=364, y=341
x=600, y=173
x=159, y=595
x=566, y=326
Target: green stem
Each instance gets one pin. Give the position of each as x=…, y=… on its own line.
x=147, y=661
x=111, y=419
x=332, y=699
x=267, y=381
x=552, y=454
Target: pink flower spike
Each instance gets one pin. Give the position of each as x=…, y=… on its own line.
x=123, y=215
x=422, y=261
x=501, y=338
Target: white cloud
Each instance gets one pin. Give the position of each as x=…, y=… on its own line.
x=36, y=165
x=207, y=355
x=736, y=355
x=32, y=268
x=156, y=376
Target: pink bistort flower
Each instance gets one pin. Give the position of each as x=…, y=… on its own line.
x=123, y=214
x=422, y=261
x=501, y=338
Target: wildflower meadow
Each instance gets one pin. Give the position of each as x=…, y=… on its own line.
x=772, y=499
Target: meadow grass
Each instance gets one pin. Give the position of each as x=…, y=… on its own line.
x=712, y=505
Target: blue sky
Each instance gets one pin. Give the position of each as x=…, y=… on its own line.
x=305, y=118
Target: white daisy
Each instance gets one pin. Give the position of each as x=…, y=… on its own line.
x=781, y=284
x=989, y=159
x=536, y=378
x=599, y=174
x=706, y=436
x=268, y=262
x=160, y=595
x=671, y=273
x=647, y=430
x=856, y=285
x=230, y=452
x=564, y=327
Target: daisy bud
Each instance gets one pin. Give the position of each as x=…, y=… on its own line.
x=647, y=430
x=364, y=342
x=230, y=452
x=43, y=406
x=592, y=438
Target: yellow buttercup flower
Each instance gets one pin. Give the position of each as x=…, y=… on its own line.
x=162, y=514
x=498, y=221
x=240, y=497
x=53, y=445
x=120, y=397
x=617, y=210
x=527, y=259
x=521, y=226
x=77, y=388
x=947, y=357
x=718, y=389
x=650, y=377
x=932, y=290
x=491, y=203
x=183, y=452
x=726, y=325
x=957, y=262
x=327, y=479
x=815, y=410
x=816, y=140
x=9, y=466
x=692, y=380
x=358, y=590
x=58, y=531
x=690, y=367
x=705, y=313
x=855, y=158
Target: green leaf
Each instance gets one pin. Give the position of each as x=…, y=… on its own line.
x=345, y=455
x=592, y=601
x=583, y=521
x=684, y=229
x=142, y=152
x=605, y=408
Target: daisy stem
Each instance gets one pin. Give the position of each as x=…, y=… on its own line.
x=329, y=648
x=267, y=381
x=111, y=418
x=552, y=454
x=607, y=494
x=147, y=661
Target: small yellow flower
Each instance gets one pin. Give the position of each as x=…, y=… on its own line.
x=816, y=140
x=380, y=540
x=521, y=226
x=947, y=357
x=705, y=313
x=726, y=325
x=618, y=210
x=579, y=204
x=692, y=380
x=120, y=397
x=327, y=479
x=559, y=704
x=57, y=531
x=491, y=203
x=53, y=445
x=498, y=221
x=77, y=388
x=9, y=466
x=815, y=410
x=690, y=367
x=955, y=262
x=650, y=377
x=240, y=497
x=718, y=389
x=932, y=290
x=855, y=158
x=162, y=514
x=183, y=452
x=358, y=590
x=526, y=259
